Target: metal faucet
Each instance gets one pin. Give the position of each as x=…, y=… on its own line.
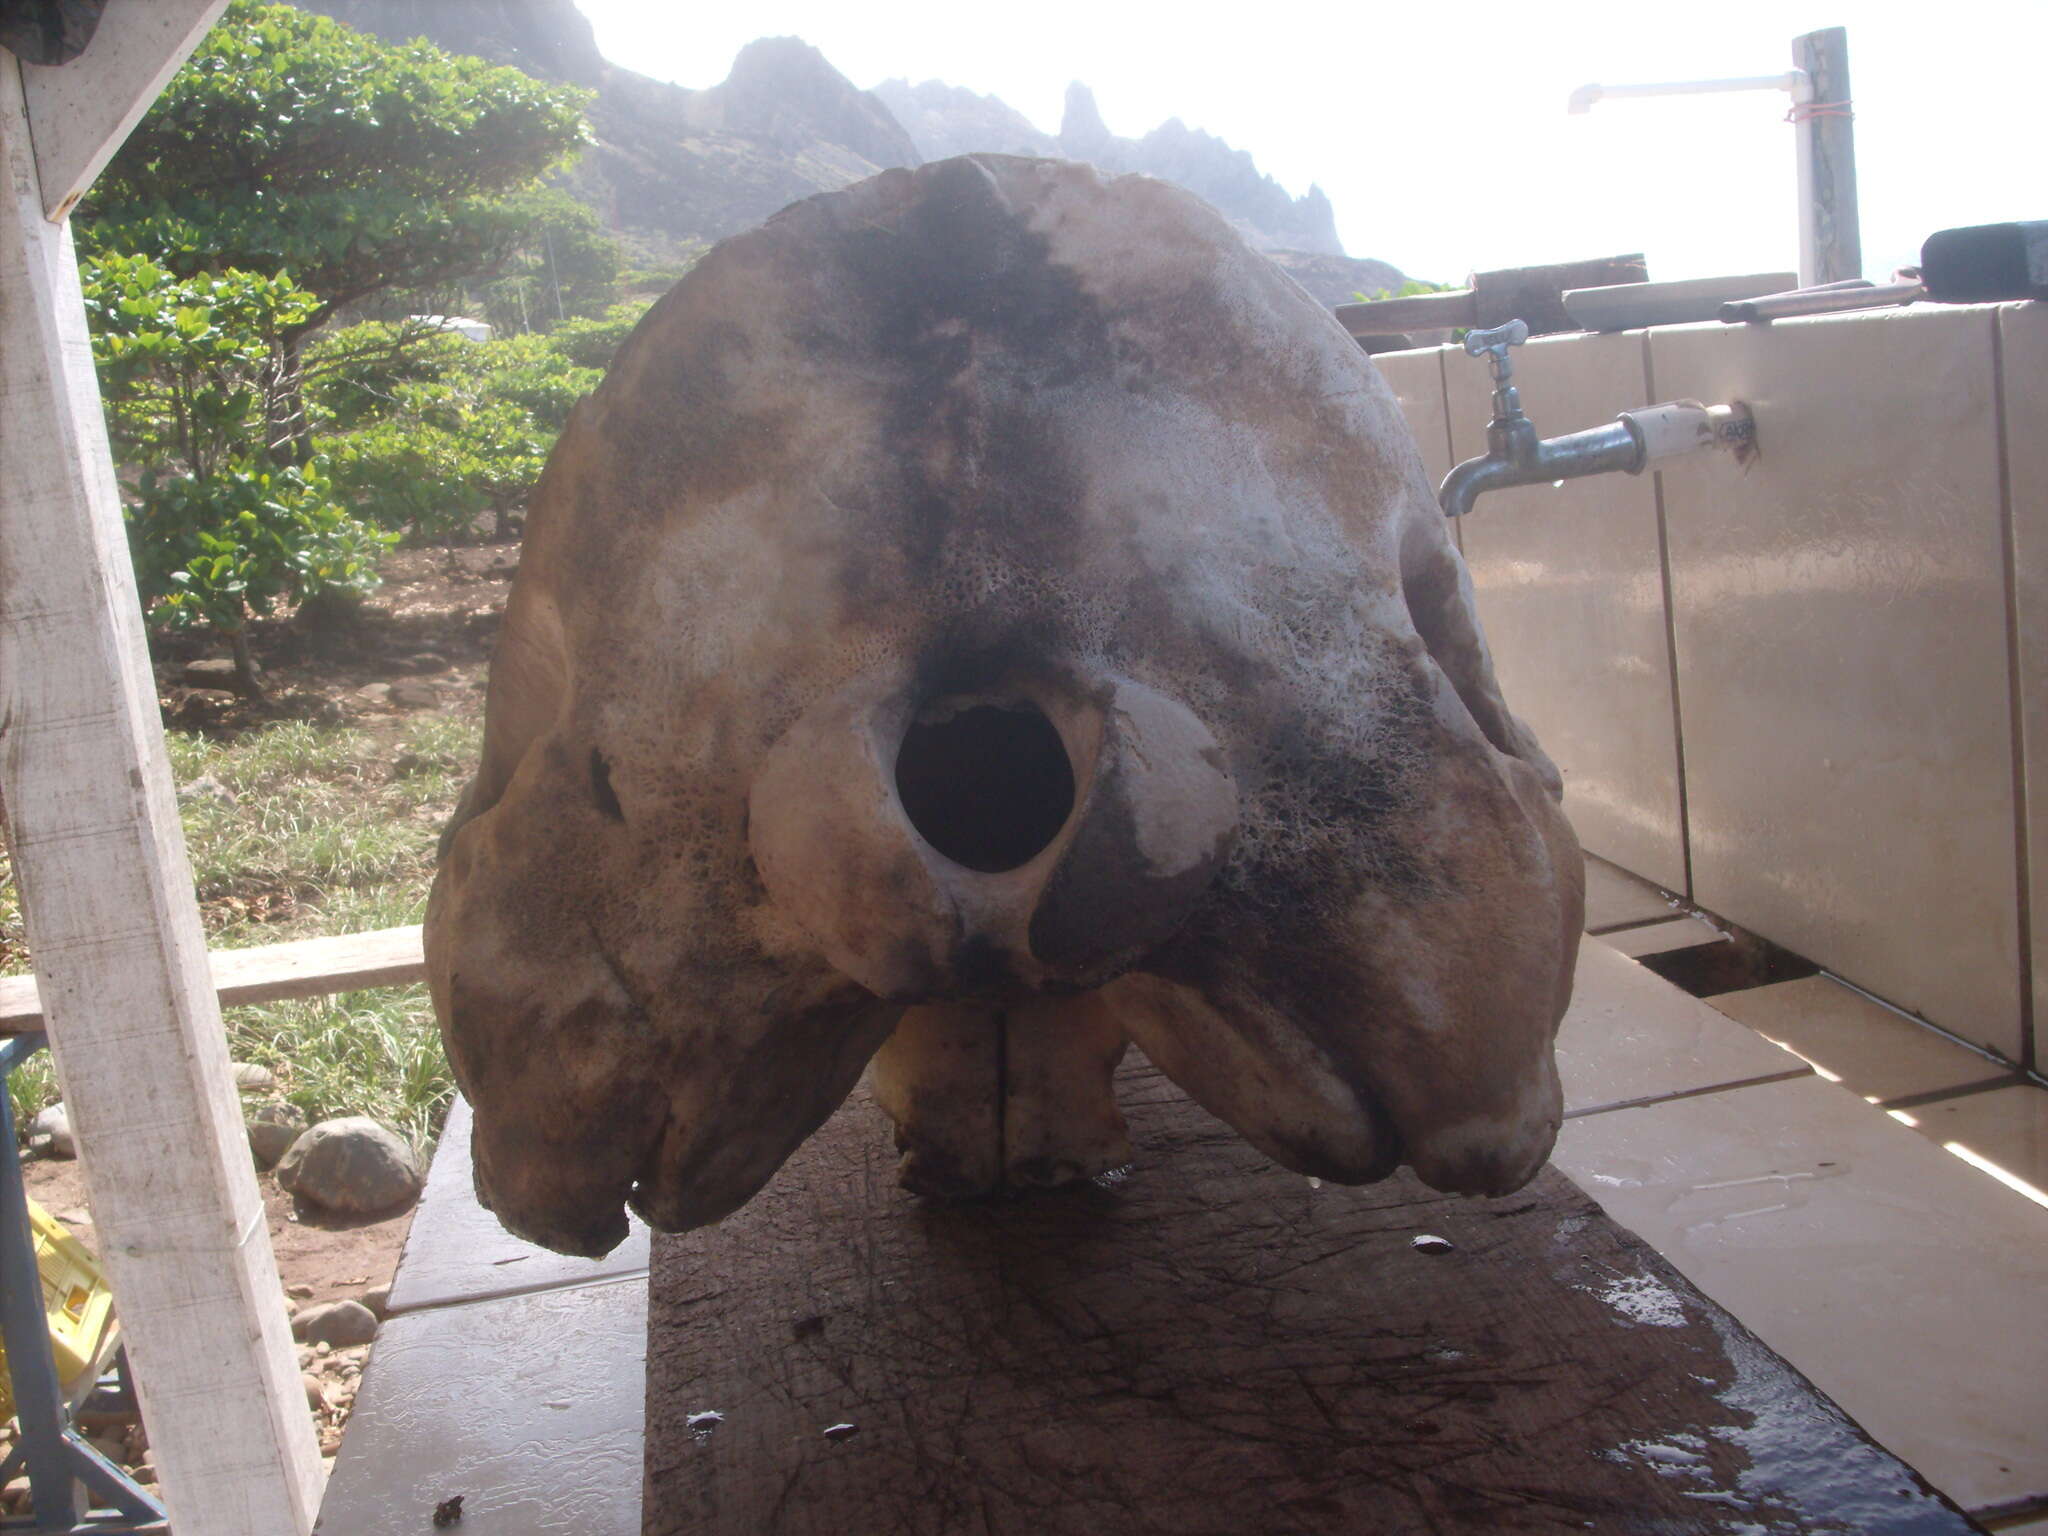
x=1515, y=455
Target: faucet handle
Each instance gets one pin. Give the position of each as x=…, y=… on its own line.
x=1493, y=346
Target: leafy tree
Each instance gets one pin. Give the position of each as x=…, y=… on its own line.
x=593, y=343
x=289, y=142
x=651, y=282
x=431, y=436
x=565, y=267
x=221, y=529
x=1408, y=290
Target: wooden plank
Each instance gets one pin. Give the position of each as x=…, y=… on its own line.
x=1417, y=312
x=266, y=973
x=526, y=1406
x=1534, y=294
x=112, y=926
x=384, y=957
x=81, y=111
x=1209, y=1346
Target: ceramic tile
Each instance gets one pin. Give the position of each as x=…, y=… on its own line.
x=2007, y=1126
x=2024, y=392
x=1630, y=1035
x=1615, y=897
x=530, y=1407
x=1571, y=591
x=1417, y=380
x=1663, y=938
x=456, y=1251
x=1840, y=613
x=1904, y=1284
x=1869, y=1047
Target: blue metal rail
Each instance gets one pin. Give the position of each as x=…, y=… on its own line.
x=60, y=1464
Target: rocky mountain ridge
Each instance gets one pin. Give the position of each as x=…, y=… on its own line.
x=947, y=120
x=673, y=168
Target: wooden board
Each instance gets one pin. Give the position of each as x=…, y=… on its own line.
x=115, y=934
x=1210, y=1346
x=264, y=973
x=1532, y=294
x=83, y=110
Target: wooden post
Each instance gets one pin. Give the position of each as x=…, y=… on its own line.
x=107, y=898
x=1831, y=243
x=83, y=110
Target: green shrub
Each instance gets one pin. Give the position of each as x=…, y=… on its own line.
x=424, y=441
x=222, y=528
x=217, y=550
x=289, y=142
x=594, y=343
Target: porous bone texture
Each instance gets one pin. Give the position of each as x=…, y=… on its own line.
x=992, y=434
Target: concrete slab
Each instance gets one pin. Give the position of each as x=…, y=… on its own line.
x=1617, y=899
x=456, y=1251
x=1840, y=616
x=1663, y=938
x=2007, y=1127
x=1570, y=586
x=1631, y=1037
x=529, y=1407
x=1417, y=380
x=2023, y=400
x=1868, y=1046
x=1904, y=1283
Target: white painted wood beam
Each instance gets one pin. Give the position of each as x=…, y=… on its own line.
x=115, y=934
x=80, y=112
x=265, y=973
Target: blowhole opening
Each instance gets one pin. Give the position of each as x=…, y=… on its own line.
x=987, y=785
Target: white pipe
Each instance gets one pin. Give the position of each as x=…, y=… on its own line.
x=1674, y=427
x=1791, y=80
x=1795, y=82
x=1802, y=150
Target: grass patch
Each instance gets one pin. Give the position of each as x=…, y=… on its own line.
x=300, y=830
x=375, y=1053
x=30, y=1087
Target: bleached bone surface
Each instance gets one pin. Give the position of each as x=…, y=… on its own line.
x=992, y=605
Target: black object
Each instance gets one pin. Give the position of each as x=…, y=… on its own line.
x=1986, y=262
x=48, y=31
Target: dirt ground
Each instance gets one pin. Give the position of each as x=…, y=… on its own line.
x=430, y=626
x=426, y=634
x=320, y=1256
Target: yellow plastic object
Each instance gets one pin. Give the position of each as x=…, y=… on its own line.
x=80, y=1309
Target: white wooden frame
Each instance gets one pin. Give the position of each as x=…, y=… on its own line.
x=114, y=931
x=265, y=973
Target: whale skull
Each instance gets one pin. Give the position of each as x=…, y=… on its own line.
x=986, y=616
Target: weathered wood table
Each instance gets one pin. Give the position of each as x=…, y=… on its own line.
x=1211, y=1345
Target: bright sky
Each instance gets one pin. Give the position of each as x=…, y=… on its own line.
x=1439, y=130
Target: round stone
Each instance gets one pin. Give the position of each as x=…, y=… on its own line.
x=351, y=1164
x=336, y=1324
x=55, y=1123
x=273, y=1126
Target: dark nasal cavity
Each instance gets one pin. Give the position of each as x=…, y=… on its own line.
x=988, y=786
